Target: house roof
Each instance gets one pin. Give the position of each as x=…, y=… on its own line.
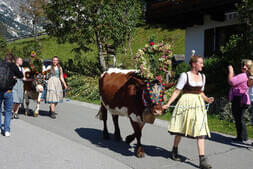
x=184, y=13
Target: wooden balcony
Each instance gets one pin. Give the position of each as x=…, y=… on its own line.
x=183, y=13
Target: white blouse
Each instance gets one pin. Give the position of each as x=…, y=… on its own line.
x=183, y=79
x=251, y=91
x=49, y=67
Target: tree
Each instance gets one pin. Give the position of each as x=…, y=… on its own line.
x=85, y=22
x=240, y=46
x=3, y=46
x=34, y=11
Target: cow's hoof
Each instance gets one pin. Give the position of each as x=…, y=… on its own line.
x=35, y=114
x=106, y=136
x=140, y=152
x=130, y=138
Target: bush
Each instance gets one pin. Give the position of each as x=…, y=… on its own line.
x=83, y=88
x=222, y=107
x=180, y=68
x=83, y=66
x=215, y=70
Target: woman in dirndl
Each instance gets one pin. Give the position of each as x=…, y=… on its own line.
x=189, y=117
x=54, y=87
x=18, y=91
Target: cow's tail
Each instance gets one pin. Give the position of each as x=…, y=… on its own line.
x=99, y=115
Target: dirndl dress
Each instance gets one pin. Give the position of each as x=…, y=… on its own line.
x=18, y=92
x=54, y=89
x=189, y=117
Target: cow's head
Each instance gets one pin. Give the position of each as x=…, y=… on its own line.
x=28, y=73
x=153, y=94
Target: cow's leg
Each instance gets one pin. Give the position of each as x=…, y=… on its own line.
x=116, y=127
x=130, y=138
x=37, y=109
x=26, y=103
x=104, y=118
x=22, y=107
x=137, y=130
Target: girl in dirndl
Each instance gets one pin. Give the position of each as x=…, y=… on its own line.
x=18, y=91
x=54, y=87
x=189, y=116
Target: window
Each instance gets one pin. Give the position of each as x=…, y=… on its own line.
x=217, y=37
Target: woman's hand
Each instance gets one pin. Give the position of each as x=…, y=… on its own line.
x=230, y=68
x=166, y=106
x=210, y=100
x=66, y=87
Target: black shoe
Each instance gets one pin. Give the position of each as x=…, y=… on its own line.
x=174, y=154
x=53, y=115
x=16, y=116
x=237, y=139
x=203, y=163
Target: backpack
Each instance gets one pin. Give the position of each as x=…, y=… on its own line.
x=5, y=76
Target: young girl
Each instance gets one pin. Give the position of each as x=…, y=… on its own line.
x=189, y=116
x=54, y=87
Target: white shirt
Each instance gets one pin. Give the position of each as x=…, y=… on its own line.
x=183, y=79
x=251, y=91
x=49, y=67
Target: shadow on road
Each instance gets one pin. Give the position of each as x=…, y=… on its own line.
x=30, y=113
x=96, y=137
x=220, y=138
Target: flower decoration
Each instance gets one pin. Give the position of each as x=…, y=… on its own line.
x=36, y=64
x=151, y=43
x=33, y=54
x=154, y=100
x=154, y=60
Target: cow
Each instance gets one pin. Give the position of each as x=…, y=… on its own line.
x=33, y=88
x=124, y=93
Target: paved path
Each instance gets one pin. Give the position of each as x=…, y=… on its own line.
x=74, y=140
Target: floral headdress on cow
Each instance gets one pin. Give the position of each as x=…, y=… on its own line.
x=155, y=60
x=35, y=62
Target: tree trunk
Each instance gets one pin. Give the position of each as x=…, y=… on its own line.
x=100, y=52
x=129, y=44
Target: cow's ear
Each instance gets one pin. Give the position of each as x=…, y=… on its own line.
x=139, y=82
x=169, y=85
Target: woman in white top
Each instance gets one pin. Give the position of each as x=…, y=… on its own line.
x=18, y=91
x=54, y=87
x=189, y=116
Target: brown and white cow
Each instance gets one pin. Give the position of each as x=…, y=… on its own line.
x=122, y=92
x=32, y=90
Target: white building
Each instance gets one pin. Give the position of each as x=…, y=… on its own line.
x=208, y=23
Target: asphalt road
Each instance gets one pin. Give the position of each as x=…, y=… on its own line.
x=76, y=136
